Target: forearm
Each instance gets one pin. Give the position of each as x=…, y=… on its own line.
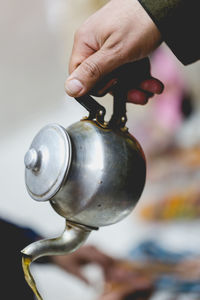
x=178, y=22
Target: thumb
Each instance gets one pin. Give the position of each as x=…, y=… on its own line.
x=89, y=72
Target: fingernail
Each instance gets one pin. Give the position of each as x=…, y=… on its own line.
x=73, y=87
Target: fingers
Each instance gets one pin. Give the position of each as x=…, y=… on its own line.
x=89, y=64
x=93, y=255
x=89, y=72
x=119, y=273
x=73, y=262
x=140, y=288
x=147, y=89
x=112, y=296
x=70, y=264
x=152, y=85
x=137, y=96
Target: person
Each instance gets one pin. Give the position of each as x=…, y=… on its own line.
x=128, y=30
x=15, y=238
x=125, y=282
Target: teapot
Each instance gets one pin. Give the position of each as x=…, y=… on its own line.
x=92, y=173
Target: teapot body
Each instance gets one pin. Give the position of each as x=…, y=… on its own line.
x=92, y=173
x=106, y=176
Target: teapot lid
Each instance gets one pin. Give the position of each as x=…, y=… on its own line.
x=47, y=162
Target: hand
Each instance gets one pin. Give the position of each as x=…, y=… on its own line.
x=134, y=78
x=192, y=266
x=136, y=288
x=73, y=262
x=118, y=33
x=125, y=281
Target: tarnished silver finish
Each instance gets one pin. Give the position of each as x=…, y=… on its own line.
x=106, y=177
x=47, y=162
x=72, y=238
x=93, y=172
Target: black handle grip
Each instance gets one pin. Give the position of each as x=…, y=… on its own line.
x=93, y=107
x=126, y=76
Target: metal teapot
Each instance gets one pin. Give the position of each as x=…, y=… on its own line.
x=92, y=173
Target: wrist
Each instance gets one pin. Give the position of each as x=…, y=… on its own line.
x=151, y=32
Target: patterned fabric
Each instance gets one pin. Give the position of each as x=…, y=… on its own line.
x=151, y=252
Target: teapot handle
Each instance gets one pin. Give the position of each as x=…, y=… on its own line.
x=126, y=75
x=96, y=111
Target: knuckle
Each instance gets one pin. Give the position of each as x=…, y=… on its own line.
x=118, y=48
x=92, y=69
x=116, y=51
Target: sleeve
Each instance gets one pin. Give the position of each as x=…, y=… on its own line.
x=15, y=238
x=179, y=24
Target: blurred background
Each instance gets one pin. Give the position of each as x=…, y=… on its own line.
x=36, y=40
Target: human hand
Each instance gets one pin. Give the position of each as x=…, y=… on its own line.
x=124, y=281
x=134, y=78
x=135, y=288
x=73, y=262
x=118, y=33
x=192, y=265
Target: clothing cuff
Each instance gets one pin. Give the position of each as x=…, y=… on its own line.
x=177, y=20
x=160, y=10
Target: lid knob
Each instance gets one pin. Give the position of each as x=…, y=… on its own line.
x=31, y=159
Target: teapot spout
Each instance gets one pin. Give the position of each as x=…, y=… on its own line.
x=71, y=239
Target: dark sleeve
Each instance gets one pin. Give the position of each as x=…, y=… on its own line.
x=14, y=238
x=179, y=24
